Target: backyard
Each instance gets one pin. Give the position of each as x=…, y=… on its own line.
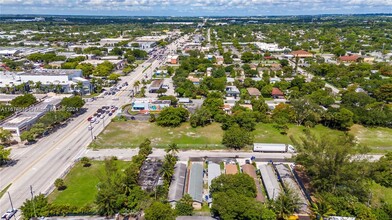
x=81, y=184
x=129, y=134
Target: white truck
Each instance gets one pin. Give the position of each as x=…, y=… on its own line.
x=273, y=148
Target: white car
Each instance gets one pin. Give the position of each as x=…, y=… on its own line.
x=93, y=120
x=102, y=116
x=90, y=127
x=97, y=121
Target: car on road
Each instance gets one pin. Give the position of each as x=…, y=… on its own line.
x=97, y=121
x=93, y=120
x=9, y=214
x=90, y=127
x=110, y=114
x=102, y=116
x=89, y=118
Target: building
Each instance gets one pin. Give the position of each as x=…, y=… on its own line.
x=232, y=91
x=145, y=104
x=254, y=92
x=214, y=171
x=195, y=184
x=269, y=47
x=118, y=64
x=68, y=79
x=251, y=171
x=270, y=181
x=277, y=94
x=349, y=58
x=231, y=169
x=301, y=54
x=194, y=80
x=149, y=175
x=112, y=41
x=23, y=119
x=155, y=85
x=173, y=59
x=177, y=185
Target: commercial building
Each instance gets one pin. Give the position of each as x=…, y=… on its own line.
x=146, y=104
x=66, y=78
x=23, y=119
x=195, y=184
x=177, y=185
x=155, y=85
x=112, y=41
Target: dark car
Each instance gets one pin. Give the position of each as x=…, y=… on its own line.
x=133, y=118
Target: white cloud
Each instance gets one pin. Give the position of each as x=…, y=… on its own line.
x=277, y=6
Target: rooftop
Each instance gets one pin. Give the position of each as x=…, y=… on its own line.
x=231, y=169
x=176, y=190
x=195, y=187
x=254, y=92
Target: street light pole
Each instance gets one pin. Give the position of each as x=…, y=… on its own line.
x=91, y=131
x=32, y=199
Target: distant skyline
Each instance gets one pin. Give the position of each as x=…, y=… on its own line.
x=194, y=7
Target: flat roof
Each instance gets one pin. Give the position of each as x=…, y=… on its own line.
x=177, y=186
x=231, y=169
x=270, y=181
x=214, y=171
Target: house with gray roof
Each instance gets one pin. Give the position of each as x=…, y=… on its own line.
x=177, y=185
x=195, y=184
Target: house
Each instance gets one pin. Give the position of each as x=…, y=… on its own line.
x=194, y=80
x=177, y=185
x=173, y=59
x=214, y=171
x=195, y=184
x=367, y=59
x=349, y=58
x=251, y=171
x=277, y=94
x=301, y=54
x=270, y=181
x=232, y=91
x=155, y=85
x=231, y=169
x=219, y=60
x=254, y=92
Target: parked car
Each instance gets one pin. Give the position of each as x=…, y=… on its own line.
x=89, y=118
x=90, y=127
x=102, y=116
x=110, y=114
x=93, y=120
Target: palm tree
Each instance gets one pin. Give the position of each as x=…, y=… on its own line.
x=170, y=159
x=136, y=85
x=167, y=172
x=322, y=210
x=172, y=148
x=286, y=204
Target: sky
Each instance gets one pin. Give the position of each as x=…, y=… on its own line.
x=194, y=7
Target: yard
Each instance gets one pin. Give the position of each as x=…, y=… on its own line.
x=129, y=134
x=81, y=184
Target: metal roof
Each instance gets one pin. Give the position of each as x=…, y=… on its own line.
x=176, y=190
x=270, y=181
x=213, y=172
x=195, y=186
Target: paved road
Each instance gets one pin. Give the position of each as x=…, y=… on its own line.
x=126, y=154
x=42, y=163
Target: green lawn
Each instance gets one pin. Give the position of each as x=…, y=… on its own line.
x=130, y=134
x=81, y=184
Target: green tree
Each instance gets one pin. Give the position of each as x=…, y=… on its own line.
x=247, y=56
x=172, y=117
x=382, y=170
x=85, y=161
x=286, y=204
x=236, y=137
x=240, y=183
x=72, y=104
x=23, y=101
x=27, y=136
x=159, y=211
x=322, y=210
x=38, y=206
x=59, y=183
x=184, y=206
x=104, y=69
x=5, y=136
x=87, y=69
x=201, y=117
x=4, y=155
x=172, y=148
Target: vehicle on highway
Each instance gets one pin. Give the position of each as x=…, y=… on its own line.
x=102, y=116
x=93, y=120
x=9, y=214
x=97, y=121
x=90, y=127
x=89, y=118
x=116, y=98
x=273, y=148
x=110, y=114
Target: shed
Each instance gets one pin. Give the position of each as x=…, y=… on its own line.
x=176, y=190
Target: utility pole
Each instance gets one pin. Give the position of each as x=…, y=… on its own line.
x=9, y=196
x=32, y=199
x=91, y=131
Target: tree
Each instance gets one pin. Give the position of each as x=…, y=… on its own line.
x=240, y=183
x=159, y=211
x=23, y=101
x=5, y=136
x=201, y=117
x=38, y=206
x=4, y=155
x=382, y=170
x=114, y=76
x=136, y=85
x=87, y=69
x=167, y=172
x=236, y=137
x=184, y=206
x=172, y=117
x=286, y=204
x=322, y=210
x=85, y=161
x=172, y=148
x=104, y=69
x=59, y=183
x=247, y=56
x=72, y=104
x=27, y=136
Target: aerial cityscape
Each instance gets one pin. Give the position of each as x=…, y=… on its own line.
x=196, y=110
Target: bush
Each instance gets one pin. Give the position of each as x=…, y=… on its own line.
x=86, y=161
x=59, y=183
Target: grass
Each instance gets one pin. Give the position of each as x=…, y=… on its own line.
x=81, y=184
x=2, y=192
x=380, y=193
x=131, y=133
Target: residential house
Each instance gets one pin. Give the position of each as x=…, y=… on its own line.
x=254, y=92
x=277, y=94
x=251, y=171
x=195, y=184
x=232, y=91
x=177, y=185
x=301, y=54
x=349, y=58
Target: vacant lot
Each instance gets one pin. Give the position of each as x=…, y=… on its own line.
x=81, y=184
x=130, y=134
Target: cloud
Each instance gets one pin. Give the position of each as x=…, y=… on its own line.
x=240, y=7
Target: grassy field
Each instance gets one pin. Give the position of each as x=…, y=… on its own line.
x=81, y=184
x=130, y=134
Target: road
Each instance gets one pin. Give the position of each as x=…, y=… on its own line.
x=40, y=164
